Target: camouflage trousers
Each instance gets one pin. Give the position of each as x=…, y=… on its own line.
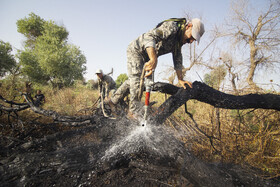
x=135, y=64
x=121, y=92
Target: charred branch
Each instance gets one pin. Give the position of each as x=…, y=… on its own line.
x=72, y=120
x=14, y=107
x=206, y=94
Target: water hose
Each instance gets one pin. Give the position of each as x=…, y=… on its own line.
x=148, y=83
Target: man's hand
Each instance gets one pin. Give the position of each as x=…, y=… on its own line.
x=149, y=68
x=182, y=83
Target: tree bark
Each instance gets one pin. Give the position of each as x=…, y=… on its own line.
x=206, y=94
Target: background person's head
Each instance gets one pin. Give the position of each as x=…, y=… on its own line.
x=99, y=73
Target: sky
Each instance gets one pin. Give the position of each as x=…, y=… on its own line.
x=102, y=29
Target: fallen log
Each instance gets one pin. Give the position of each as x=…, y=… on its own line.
x=15, y=107
x=206, y=94
x=70, y=120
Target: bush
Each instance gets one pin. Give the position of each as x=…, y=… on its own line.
x=121, y=78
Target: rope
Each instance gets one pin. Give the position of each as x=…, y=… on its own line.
x=103, y=108
x=102, y=104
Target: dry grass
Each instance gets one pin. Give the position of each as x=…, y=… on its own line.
x=69, y=101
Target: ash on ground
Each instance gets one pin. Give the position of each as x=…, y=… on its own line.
x=112, y=153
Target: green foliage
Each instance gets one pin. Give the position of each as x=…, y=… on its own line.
x=50, y=58
x=216, y=76
x=31, y=67
x=10, y=87
x=54, y=34
x=7, y=60
x=121, y=78
x=31, y=27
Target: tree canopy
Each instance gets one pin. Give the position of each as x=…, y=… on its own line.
x=31, y=28
x=48, y=57
x=7, y=60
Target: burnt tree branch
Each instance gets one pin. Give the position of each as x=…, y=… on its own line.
x=14, y=107
x=206, y=94
x=71, y=120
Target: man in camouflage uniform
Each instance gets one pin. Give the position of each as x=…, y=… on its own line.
x=106, y=84
x=168, y=37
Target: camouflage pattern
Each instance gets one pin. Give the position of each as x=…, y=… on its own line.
x=106, y=85
x=165, y=40
x=121, y=92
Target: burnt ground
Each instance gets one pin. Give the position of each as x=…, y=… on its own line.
x=113, y=153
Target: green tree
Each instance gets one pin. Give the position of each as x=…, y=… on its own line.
x=50, y=58
x=121, y=78
x=31, y=67
x=7, y=60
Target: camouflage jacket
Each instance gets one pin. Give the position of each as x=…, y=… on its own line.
x=165, y=39
x=106, y=83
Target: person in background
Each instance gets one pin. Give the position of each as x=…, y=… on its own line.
x=28, y=89
x=106, y=85
x=39, y=98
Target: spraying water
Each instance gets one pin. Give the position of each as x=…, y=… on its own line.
x=129, y=143
x=153, y=138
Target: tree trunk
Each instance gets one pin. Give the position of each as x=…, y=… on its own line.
x=251, y=76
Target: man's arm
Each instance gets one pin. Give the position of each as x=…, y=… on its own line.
x=107, y=90
x=152, y=63
x=99, y=87
x=108, y=81
x=178, y=61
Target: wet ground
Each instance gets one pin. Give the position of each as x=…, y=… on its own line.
x=113, y=153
